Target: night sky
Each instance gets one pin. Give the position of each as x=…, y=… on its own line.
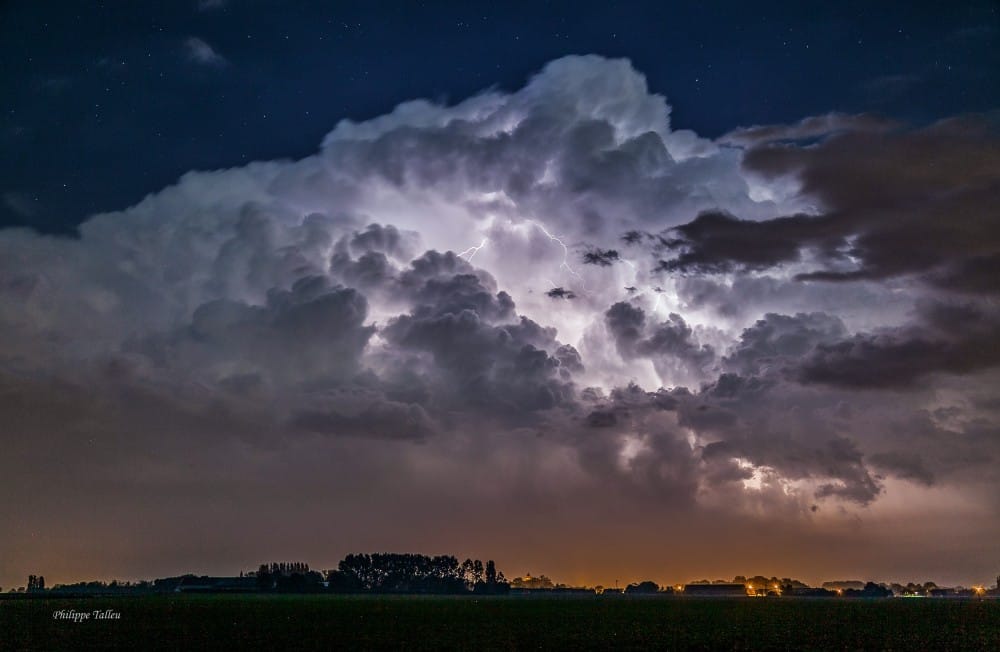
x=634, y=291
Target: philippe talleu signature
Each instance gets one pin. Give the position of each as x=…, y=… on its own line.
x=81, y=616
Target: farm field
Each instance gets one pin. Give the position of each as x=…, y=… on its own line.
x=501, y=623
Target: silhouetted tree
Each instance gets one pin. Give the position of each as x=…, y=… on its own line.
x=264, y=578
x=493, y=580
x=472, y=572
x=871, y=590
x=529, y=582
x=642, y=588
x=410, y=573
x=340, y=582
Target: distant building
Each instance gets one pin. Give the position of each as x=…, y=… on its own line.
x=572, y=590
x=205, y=584
x=810, y=592
x=716, y=590
x=530, y=591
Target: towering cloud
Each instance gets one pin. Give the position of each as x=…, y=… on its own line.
x=793, y=325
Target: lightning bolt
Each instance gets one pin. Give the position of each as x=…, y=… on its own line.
x=656, y=304
x=565, y=261
x=646, y=288
x=472, y=251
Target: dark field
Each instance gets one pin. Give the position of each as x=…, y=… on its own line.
x=415, y=623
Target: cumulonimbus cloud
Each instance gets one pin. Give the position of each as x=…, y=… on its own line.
x=398, y=286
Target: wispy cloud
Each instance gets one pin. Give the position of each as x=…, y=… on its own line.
x=20, y=203
x=199, y=51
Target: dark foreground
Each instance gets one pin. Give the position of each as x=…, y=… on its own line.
x=433, y=623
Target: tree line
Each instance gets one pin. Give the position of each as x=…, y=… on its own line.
x=413, y=573
x=387, y=573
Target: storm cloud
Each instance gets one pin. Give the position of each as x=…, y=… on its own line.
x=892, y=202
x=806, y=320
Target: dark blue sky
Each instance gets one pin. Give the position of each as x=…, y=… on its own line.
x=103, y=102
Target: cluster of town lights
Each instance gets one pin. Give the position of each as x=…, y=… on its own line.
x=761, y=592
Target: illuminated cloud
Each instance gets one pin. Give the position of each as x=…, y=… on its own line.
x=758, y=325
